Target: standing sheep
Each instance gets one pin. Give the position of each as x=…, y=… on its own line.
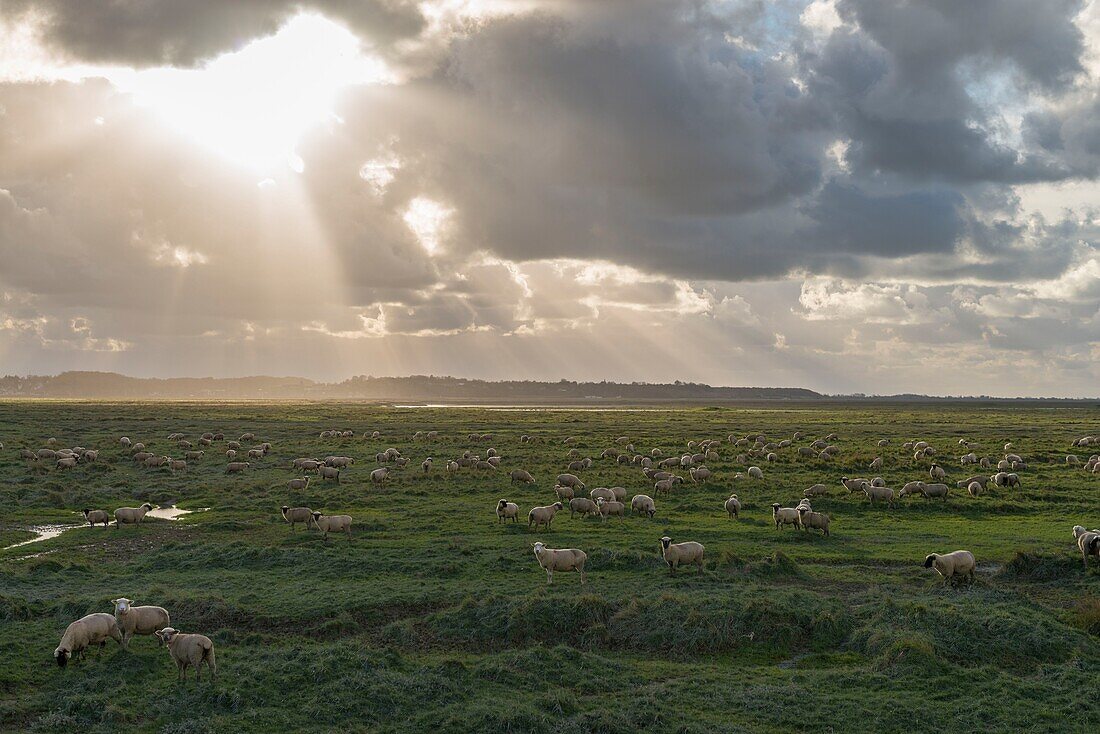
x=131, y=515
x=138, y=620
x=330, y=524
x=97, y=516
x=811, y=520
x=189, y=650
x=686, y=553
x=519, y=475
x=957, y=563
x=1088, y=541
x=643, y=504
x=785, y=516
x=507, y=511
x=733, y=507
x=295, y=515
x=566, y=559
x=93, y=629
x=544, y=515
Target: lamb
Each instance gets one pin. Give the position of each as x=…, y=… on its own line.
x=520, y=475
x=957, y=563
x=97, y=516
x=236, y=467
x=138, y=620
x=610, y=507
x=544, y=515
x=298, y=484
x=189, y=650
x=131, y=515
x=817, y=490
x=755, y=472
x=379, y=476
x=1088, y=541
x=507, y=511
x=330, y=524
x=643, y=504
x=582, y=506
x=733, y=507
x=93, y=629
x=879, y=494
x=676, y=554
x=811, y=520
x=295, y=515
x=784, y=516
x=566, y=559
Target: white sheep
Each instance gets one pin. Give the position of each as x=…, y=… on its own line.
x=784, y=516
x=97, y=516
x=543, y=515
x=677, y=554
x=957, y=563
x=295, y=515
x=1088, y=541
x=755, y=472
x=330, y=524
x=643, y=504
x=565, y=559
x=143, y=620
x=93, y=629
x=811, y=520
x=610, y=507
x=733, y=507
x=507, y=511
x=131, y=515
x=189, y=650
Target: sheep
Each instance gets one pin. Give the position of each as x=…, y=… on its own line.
x=233, y=445
x=231, y=455
x=733, y=507
x=451, y=467
x=93, y=629
x=936, y=472
x=131, y=515
x=403, y=461
x=1088, y=541
x=601, y=492
x=138, y=620
x=876, y=464
x=177, y=465
x=380, y=475
x=957, y=563
x=97, y=516
x=582, y=506
x=126, y=442
x=565, y=559
x=1071, y=460
x=879, y=494
x=329, y=472
x=931, y=491
x=883, y=442
x=236, y=467
x=817, y=490
x=426, y=465
x=339, y=462
x=88, y=457
x=295, y=515
x=853, y=485
x=784, y=516
x=189, y=650
x=979, y=478
x=974, y=489
x=248, y=437
x=911, y=488
x=571, y=480
x=700, y=474
x=155, y=462
x=676, y=554
x=66, y=463
x=564, y=493
x=807, y=452
x=543, y=515
x=755, y=472
x=878, y=482
x=664, y=486
x=330, y=524
x=643, y=504
x=507, y=511
x=610, y=507
x=811, y=520
x=298, y=484
x=194, y=455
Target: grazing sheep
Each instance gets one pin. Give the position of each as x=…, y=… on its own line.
x=330, y=524
x=979, y=478
x=677, y=554
x=125, y=442
x=131, y=515
x=571, y=480
x=97, y=516
x=329, y=473
x=784, y=516
x=88, y=457
x=507, y=511
x=564, y=493
x=755, y=472
x=582, y=506
x=93, y=629
x=936, y=472
x=700, y=474
x=733, y=507
x=189, y=650
x=426, y=465
x=519, y=475
x=811, y=520
x=380, y=475
x=876, y=464
x=565, y=559
x=177, y=465
x=931, y=491
x=236, y=467
x=853, y=485
x=138, y=620
x=974, y=489
x=1088, y=541
x=231, y=454
x=878, y=482
x=911, y=488
x=879, y=494
x=643, y=504
x=663, y=486
x=247, y=437
x=194, y=455
x=957, y=563
x=817, y=490
x=298, y=484
x=610, y=507
x=295, y=515
x=66, y=463
x=807, y=452
x=601, y=492
x=1071, y=460
x=544, y=515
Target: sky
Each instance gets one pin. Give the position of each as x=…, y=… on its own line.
x=874, y=196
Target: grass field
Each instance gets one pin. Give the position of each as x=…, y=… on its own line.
x=438, y=618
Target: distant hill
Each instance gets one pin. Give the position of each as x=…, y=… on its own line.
x=415, y=388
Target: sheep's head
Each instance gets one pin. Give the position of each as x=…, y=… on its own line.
x=929, y=560
x=665, y=542
x=539, y=548
x=1078, y=530
x=146, y=506
x=122, y=605
x=86, y=513
x=165, y=635
x=62, y=656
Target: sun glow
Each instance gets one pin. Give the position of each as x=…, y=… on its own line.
x=253, y=105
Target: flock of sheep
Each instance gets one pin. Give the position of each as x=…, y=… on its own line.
x=569, y=489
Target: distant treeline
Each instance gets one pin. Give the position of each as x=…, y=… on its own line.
x=415, y=388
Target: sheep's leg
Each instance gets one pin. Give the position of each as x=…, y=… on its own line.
x=549, y=576
x=584, y=578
